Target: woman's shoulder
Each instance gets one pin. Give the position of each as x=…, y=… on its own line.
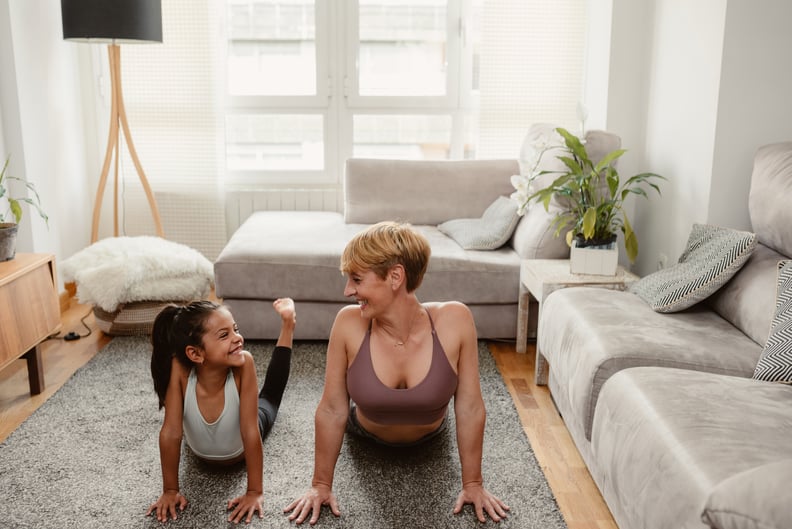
x=447, y=309
x=349, y=319
x=348, y=330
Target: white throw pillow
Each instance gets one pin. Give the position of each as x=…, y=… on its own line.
x=775, y=362
x=712, y=256
x=490, y=232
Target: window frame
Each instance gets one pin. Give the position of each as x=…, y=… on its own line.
x=338, y=100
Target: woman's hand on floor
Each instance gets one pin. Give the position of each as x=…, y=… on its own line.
x=483, y=501
x=246, y=506
x=311, y=503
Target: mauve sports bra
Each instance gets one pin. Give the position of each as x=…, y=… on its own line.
x=424, y=403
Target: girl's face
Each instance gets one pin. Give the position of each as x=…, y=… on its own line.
x=369, y=290
x=222, y=343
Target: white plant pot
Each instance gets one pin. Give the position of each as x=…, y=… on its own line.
x=594, y=261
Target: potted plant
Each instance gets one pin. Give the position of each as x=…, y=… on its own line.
x=8, y=229
x=592, y=196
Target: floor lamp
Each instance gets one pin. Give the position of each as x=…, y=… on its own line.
x=114, y=22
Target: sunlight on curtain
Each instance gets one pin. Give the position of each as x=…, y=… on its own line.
x=531, y=70
x=174, y=101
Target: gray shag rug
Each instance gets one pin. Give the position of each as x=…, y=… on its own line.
x=89, y=458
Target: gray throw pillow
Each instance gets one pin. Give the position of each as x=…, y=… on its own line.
x=490, y=232
x=757, y=498
x=775, y=362
x=711, y=257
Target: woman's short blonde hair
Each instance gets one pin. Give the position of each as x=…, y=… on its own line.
x=384, y=245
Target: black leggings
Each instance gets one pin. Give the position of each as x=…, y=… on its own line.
x=272, y=391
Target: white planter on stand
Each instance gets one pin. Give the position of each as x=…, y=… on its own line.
x=594, y=261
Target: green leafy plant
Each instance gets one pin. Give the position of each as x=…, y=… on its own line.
x=15, y=203
x=594, y=195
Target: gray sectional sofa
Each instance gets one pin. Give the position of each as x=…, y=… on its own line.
x=663, y=407
x=297, y=253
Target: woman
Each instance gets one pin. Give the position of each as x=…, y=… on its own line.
x=400, y=362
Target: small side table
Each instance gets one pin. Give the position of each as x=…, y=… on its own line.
x=29, y=311
x=539, y=278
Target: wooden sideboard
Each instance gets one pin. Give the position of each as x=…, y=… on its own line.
x=29, y=311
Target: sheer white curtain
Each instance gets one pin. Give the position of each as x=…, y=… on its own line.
x=531, y=70
x=173, y=94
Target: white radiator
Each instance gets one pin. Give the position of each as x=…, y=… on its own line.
x=241, y=203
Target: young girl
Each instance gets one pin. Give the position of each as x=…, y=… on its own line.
x=207, y=384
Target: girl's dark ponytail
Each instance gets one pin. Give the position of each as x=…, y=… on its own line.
x=175, y=328
x=162, y=350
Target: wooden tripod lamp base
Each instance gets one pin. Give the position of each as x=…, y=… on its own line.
x=118, y=121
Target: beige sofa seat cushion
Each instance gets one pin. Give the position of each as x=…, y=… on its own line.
x=757, y=498
x=588, y=334
x=665, y=439
x=282, y=253
x=297, y=254
x=457, y=274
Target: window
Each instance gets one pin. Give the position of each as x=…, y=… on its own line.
x=313, y=82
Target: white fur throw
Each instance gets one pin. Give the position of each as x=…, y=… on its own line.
x=120, y=270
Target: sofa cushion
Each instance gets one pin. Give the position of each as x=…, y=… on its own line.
x=422, y=192
x=489, y=232
x=665, y=438
x=768, y=199
x=757, y=498
x=748, y=299
x=587, y=334
x=775, y=362
x=711, y=257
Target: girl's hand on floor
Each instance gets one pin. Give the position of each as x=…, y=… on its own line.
x=166, y=505
x=246, y=506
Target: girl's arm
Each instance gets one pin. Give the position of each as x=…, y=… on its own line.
x=170, y=439
x=470, y=414
x=245, y=506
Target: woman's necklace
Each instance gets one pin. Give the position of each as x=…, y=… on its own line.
x=400, y=343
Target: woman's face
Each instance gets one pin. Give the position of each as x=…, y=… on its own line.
x=369, y=290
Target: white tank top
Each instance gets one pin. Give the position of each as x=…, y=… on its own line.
x=221, y=439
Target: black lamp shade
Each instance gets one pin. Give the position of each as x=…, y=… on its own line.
x=111, y=21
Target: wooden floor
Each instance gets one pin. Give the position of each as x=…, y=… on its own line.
x=577, y=496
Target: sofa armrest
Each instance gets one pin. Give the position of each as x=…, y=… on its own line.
x=423, y=192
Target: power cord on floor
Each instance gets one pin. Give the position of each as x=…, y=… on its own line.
x=71, y=335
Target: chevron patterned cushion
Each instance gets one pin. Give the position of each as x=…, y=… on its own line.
x=712, y=256
x=775, y=362
x=490, y=232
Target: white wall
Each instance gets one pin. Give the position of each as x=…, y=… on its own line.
x=681, y=117
x=42, y=124
x=716, y=87
x=754, y=105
